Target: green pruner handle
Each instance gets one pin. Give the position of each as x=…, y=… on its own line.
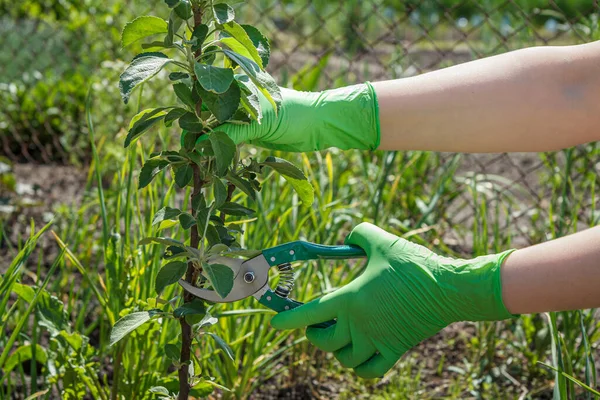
x=280, y=304
x=302, y=251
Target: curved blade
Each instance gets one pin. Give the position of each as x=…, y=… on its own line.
x=257, y=266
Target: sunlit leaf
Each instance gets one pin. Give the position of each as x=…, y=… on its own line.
x=142, y=27
x=143, y=67
x=169, y=274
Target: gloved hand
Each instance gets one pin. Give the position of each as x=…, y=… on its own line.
x=346, y=118
x=405, y=295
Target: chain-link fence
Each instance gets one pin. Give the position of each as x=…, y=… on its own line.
x=52, y=50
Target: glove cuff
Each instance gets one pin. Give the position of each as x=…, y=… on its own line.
x=348, y=118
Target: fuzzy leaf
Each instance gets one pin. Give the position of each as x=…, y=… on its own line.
x=183, y=175
x=142, y=27
x=220, y=192
x=150, y=169
x=159, y=390
x=305, y=191
x=169, y=274
x=235, y=209
x=220, y=276
x=129, y=323
x=224, y=149
x=161, y=240
x=190, y=122
x=173, y=115
x=143, y=67
x=184, y=93
x=249, y=98
x=242, y=184
x=284, y=167
x=223, y=345
x=144, y=121
x=223, y=106
x=199, y=36
x=263, y=81
x=172, y=351
x=238, y=33
x=260, y=42
x=186, y=220
x=196, y=306
x=165, y=213
x=214, y=79
x=223, y=13
x=183, y=9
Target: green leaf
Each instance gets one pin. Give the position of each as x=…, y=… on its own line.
x=174, y=25
x=244, y=253
x=223, y=345
x=173, y=115
x=161, y=240
x=199, y=36
x=224, y=149
x=190, y=122
x=168, y=275
x=212, y=49
x=284, y=167
x=220, y=192
x=184, y=93
x=143, y=67
x=144, y=121
x=263, y=81
x=172, y=3
x=305, y=191
x=187, y=220
x=235, y=209
x=208, y=320
x=260, y=42
x=172, y=351
x=25, y=353
x=165, y=213
x=241, y=184
x=250, y=98
x=129, y=323
x=238, y=33
x=223, y=106
x=183, y=175
x=196, y=306
x=223, y=13
x=220, y=276
x=212, y=235
x=214, y=79
x=150, y=169
x=177, y=76
x=184, y=9
x=159, y=390
x=173, y=252
x=142, y=27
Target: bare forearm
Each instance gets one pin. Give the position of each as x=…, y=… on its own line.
x=536, y=99
x=560, y=275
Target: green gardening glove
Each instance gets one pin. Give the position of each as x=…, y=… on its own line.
x=405, y=295
x=346, y=118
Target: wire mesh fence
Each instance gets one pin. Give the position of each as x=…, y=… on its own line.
x=53, y=50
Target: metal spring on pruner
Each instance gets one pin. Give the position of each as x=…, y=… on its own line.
x=286, y=280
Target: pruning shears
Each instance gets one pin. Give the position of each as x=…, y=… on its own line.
x=251, y=276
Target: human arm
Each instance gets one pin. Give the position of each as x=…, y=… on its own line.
x=534, y=99
x=559, y=275
x=408, y=293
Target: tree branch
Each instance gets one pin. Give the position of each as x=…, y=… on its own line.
x=191, y=275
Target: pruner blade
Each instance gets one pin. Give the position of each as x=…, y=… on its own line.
x=250, y=276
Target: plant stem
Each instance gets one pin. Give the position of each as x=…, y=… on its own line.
x=191, y=274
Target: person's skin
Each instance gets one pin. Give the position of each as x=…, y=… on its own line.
x=559, y=275
x=535, y=99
